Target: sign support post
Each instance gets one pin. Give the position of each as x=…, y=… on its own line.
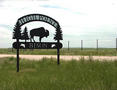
x=17, y=54
x=58, y=53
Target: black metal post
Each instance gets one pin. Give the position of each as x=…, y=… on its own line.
x=17, y=54
x=58, y=53
x=68, y=45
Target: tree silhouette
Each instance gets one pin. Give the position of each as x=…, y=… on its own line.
x=25, y=34
x=17, y=31
x=58, y=35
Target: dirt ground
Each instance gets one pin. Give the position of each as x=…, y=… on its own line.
x=63, y=57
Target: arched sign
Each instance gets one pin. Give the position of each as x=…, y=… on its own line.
x=38, y=17
x=41, y=32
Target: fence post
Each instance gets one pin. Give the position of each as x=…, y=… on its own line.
x=12, y=49
x=68, y=45
x=116, y=44
x=81, y=44
x=97, y=44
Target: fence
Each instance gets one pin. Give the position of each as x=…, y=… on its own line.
x=91, y=44
x=82, y=44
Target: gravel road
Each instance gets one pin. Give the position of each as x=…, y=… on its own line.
x=63, y=57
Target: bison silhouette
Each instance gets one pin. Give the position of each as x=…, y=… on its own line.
x=41, y=32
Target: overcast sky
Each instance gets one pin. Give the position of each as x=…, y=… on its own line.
x=86, y=20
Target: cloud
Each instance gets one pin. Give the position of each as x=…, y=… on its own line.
x=5, y=34
x=6, y=26
x=59, y=7
x=79, y=19
x=52, y=6
x=1, y=2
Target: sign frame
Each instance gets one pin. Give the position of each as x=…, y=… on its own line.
x=37, y=17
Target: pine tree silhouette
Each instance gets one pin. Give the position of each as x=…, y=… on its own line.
x=17, y=31
x=58, y=35
x=25, y=34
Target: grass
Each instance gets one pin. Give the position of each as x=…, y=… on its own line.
x=47, y=75
x=64, y=51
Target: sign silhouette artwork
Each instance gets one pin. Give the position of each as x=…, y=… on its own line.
x=40, y=32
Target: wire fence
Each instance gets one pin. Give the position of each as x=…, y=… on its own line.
x=98, y=43
x=82, y=44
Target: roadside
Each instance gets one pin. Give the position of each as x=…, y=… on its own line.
x=63, y=57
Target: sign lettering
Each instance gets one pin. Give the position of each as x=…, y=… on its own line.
x=37, y=17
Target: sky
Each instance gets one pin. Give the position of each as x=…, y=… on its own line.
x=86, y=20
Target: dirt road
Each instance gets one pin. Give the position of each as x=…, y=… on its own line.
x=63, y=57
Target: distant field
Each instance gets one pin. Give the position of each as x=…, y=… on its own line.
x=47, y=75
x=64, y=51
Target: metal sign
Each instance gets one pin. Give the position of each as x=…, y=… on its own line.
x=27, y=38
x=37, y=45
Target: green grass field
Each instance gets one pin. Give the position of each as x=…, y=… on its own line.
x=47, y=75
x=64, y=51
